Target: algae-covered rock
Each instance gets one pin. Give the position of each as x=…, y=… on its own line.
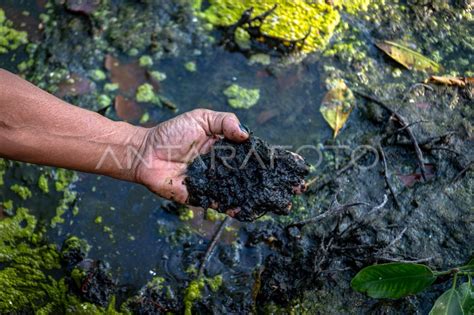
x=291, y=20
x=10, y=39
x=239, y=97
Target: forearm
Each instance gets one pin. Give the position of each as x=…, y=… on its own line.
x=37, y=127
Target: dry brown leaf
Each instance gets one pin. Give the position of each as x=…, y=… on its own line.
x=452, y=81
x=337, y=106
x=408, y=58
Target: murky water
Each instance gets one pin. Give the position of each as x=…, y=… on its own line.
x=287, y=114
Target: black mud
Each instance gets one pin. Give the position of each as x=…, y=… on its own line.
x=249, y=179
x=90, y=279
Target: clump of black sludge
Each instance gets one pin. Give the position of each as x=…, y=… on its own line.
x=249, y=179
x=90, y=279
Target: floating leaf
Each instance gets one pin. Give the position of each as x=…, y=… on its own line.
x=82, y=6
x=449, y=303
x=452, y=81
x=408, y=58
x=128, y=76
x=337, y=106
x=466, y=293
x=73, y=86
x=127, y=109
x=393, y=280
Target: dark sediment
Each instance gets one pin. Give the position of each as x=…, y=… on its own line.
x=249, y=179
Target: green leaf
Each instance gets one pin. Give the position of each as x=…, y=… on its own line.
x=393, y=280
x=449, y=303
x=408, y=58
x=466, y=292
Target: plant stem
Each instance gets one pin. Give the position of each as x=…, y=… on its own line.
x=455, y=279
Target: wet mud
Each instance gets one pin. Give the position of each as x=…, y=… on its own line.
x=246, y=180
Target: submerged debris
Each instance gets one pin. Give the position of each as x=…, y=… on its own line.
x=246, y=180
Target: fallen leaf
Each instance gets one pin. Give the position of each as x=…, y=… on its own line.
x=266, y=115
x=73, y=86
x=128, y=76
x=409, y=180
x=337, y=106
x=126, y=109
x=408, y=58
x=82, y=6
x=452, y=81
x=423, y=105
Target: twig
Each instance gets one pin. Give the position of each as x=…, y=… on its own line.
x=386, y=175
x=212, y=245
x=406, y=261
x=403, y=123
x=393, y=242
x=461, y=173
x=412, y=124
x=330, y=212
x=366, y=219
x=446, y=149
x=348, y=166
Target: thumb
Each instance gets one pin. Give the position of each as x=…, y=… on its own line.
x=227, y=124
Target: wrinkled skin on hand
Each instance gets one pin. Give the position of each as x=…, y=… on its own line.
x=169, y=147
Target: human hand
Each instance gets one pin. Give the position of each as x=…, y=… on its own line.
x=168, y=148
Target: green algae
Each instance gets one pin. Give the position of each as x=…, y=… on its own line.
x=63, y=180
x=195, y=288
x=239, y=97
x=97, y=75
x=213, y=215
x=98, y=220
x=10, y=39
x=292, y=19
x=3, y=168
x=214, y=283
x=103, y=101
x=146, y=94
x=192, y=294
x=111, y=87
x=43, y=183
x=25, y=257
x=157, y=75
x=145, y=61
x=263, y=59
x=145, y=118
x=22, y=191
x=190, y=66
x=185, y=214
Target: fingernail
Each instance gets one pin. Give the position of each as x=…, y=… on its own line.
x=244, y=128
